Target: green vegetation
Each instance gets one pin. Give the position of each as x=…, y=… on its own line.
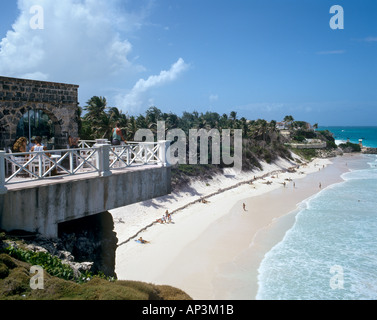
x=307, y=154
x=261, y=139
x=52, y=265
x=327, y=136
x=15, y=285
x=61, y=284
x=350, y=147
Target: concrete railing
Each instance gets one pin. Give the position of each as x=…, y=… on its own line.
x=101, y=159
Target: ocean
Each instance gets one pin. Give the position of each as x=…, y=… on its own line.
x=330, y=253
x=367, y=134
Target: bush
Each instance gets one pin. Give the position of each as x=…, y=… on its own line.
x=350, y=147
x=307, y=154
x=299, y=138
x=51, y=264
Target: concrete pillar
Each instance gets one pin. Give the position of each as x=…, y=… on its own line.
x=3, y=189
x=163, y=152
x=104, y=160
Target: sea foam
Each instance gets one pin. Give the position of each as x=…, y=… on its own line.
x=333, y=241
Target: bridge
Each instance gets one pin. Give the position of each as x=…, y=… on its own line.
x=40, y=190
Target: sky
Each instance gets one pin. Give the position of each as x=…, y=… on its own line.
x=261, y=58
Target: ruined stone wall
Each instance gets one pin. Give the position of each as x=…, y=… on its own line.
x=59, y=101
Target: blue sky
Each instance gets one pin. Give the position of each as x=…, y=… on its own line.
x=261, y=58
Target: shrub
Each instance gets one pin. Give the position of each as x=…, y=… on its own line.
x=350, y=147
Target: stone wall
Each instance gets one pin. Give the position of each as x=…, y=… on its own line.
x=59, y=101
x=321, y=145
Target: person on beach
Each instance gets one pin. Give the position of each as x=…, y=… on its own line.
x=320, y=185
x=141, y=240
x=244, y=207
x=168, y=216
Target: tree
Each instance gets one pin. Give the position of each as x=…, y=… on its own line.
x=288, y=119
x=96, y=116
x=131, y=129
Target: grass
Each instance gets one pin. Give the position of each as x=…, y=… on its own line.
x=60, y=284
x=307, y=154
x=15, y=285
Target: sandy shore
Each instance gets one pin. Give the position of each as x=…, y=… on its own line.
x=207, y=245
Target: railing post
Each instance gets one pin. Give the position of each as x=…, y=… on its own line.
x=104, y=160
x=163, y=152
x=129, y=155
x=3, y=189
x=70, y=157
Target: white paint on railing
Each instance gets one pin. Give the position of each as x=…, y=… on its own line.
x=101, y=158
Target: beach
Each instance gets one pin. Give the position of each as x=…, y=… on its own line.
x=203, y=248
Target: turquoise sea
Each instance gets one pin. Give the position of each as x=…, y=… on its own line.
x=331, y=250
x=367, y=134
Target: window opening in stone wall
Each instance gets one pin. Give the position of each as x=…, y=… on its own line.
x=37, y=123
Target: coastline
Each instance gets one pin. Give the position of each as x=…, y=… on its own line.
x=202, y=250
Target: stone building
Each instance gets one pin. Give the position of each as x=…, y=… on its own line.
x=29, y=107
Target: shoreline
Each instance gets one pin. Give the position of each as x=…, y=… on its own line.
x=208, y=243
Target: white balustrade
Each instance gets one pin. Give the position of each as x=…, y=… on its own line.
x=101, y=159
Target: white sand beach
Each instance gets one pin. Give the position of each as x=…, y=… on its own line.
x=206, y=242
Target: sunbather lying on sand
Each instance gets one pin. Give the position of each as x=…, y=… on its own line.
x=141, y=240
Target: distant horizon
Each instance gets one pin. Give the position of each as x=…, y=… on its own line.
x=345, y=126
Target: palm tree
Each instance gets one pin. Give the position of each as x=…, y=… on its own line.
x=96, y=116
x=289, y=120
x=131, y=128
x=95, y=107
x=233, y=115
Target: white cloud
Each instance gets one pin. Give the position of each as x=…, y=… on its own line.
x=213, y=97
x=81, y=40
x=135, y=99
x=370, y=39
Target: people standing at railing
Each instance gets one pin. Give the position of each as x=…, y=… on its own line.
x=73, y=142
x=117, y=135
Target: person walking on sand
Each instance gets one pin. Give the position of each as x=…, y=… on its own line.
x=320, y=185
x=244, y=207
